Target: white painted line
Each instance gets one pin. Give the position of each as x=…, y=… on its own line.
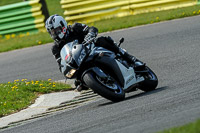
x=37, y=101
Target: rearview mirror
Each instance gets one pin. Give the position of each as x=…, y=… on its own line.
x=121, y=40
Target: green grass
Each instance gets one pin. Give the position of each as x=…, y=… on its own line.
x=25, y=41
x=21, y=93
x=193, y=127
x=18, y=42
x=53, y=6
x=148, y=18
x=6, y=2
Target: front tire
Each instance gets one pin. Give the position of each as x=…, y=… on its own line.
x=112, y=92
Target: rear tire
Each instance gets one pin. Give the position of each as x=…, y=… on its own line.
x=93, y=82
x=151, y=81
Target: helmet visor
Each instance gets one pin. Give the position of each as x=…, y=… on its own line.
x=55, y=32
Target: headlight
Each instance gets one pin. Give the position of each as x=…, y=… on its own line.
x=70, y=73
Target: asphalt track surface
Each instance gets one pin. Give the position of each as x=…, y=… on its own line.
x=170, y=48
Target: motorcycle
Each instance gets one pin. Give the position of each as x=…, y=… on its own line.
x=105, y=72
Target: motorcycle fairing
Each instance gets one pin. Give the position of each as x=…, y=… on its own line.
x=128, y=75
x=72, y=53
x=105, y=56
x=125, y=75
x=76, y=52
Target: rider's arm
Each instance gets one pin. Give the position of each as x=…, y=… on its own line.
x=56, y=52
x=84, y=30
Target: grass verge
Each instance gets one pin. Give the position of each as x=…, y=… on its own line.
x=53, y=6
x=147, y=18
x=20, y=41
x=20, y=94
x=193, y=127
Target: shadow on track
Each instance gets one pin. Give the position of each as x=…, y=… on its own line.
x=138, y=95
x=147, y=93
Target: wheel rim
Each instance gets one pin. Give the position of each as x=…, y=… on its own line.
x=111, y=86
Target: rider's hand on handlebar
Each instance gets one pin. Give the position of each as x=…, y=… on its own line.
x=89, y=37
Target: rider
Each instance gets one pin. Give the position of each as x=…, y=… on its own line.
x=62, y=33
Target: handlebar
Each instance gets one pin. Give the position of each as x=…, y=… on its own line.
x=89, y=41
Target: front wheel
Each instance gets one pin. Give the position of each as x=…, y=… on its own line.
x=108, y=89
x=150, y=81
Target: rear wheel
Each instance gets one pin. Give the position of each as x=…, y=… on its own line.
x=151, y=81
x=107, y=88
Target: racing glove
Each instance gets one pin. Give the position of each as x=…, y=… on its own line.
x=89, y=36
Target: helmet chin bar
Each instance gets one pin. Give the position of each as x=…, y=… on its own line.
x=58, y=37
x=61, y=35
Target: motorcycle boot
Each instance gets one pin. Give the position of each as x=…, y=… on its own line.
x=129, y=58
x=79, y=86
x=138, y=65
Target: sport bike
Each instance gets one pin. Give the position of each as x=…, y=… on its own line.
x=105, y=72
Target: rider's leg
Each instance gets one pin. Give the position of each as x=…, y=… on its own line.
x=111, y=45
x=108, y=43
x=126, y=55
